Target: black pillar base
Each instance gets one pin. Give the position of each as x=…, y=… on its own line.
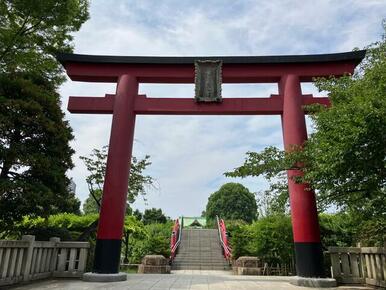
x=309, y=260
x=107, y=256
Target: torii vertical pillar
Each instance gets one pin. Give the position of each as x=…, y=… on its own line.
x=113, y=208
x=305, y=224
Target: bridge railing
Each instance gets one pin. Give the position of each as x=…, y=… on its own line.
x=175, y=239
x=28, y=259
x=359, y=265
x=223, y=235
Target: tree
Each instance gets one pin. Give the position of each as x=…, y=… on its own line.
x=96, y=165
x=138, y=215
x=34, y=149
x=154, y=216
x=274, y=200
x=232, y=201
x=33, y=31
x=344, y=160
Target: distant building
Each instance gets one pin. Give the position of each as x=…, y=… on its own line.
x=72, y=186
x=193, y=222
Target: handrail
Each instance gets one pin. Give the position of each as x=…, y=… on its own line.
x=175, y=239
x=222, y=233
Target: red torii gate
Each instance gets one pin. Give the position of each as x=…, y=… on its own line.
x=287, y=71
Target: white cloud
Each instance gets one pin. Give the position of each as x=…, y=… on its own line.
x=189, y=154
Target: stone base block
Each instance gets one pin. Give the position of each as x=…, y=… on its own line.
x=247, y=271
x=154, y=264
x=149, y=269
x=97, y=277
x=248, y=262
x=313, y=282
x=247, y=266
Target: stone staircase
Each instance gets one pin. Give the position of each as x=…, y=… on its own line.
x=200, y=250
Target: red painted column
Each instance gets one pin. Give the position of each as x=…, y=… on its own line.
x=305, y=224
x=113, y=207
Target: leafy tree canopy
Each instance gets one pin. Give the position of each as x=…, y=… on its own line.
x=33, y=31
x=154, y=216
x=232, y=201
x=96, y=166
x=344, y=160
x=34, y=149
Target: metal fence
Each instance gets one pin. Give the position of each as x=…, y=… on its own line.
x=359, y=265
x=28, y=259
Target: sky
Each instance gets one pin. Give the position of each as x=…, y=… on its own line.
x=189, y=154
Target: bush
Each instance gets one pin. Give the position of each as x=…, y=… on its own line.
x=66, y=226
x=269, y=238
x=155, y=242
x=143, y=239
x=372, y=233
x=336, y=230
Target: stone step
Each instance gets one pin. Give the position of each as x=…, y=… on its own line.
x=200, y=264
x=202, y=267
x=193, y=247
x=200, y=250
x=205, y=252
x=213, y=246
x=191, y=262
x=203, y=256
x=214, y=261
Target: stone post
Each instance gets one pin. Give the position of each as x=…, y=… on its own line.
x=28, y=256
x=54, y=257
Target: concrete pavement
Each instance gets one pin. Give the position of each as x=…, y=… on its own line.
x=184, y=279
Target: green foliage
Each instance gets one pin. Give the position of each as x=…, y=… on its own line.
x=232, y=225
x=269, y=163
x=240, y=240
x=156, y=241
x=33, y=31
x=65, y=226
x=269, y=238
x=138, y=214
x=346, y=156
x=34, y=150
x=232, y=201
x=96, y=166
x=372, y=233
x=92, y=203
x=134, y=227
x=274, y=200
x=154, y=215
x=138, y=240
x=337, y=230
x=344, y=160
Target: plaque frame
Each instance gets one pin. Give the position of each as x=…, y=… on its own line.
x=208, y=80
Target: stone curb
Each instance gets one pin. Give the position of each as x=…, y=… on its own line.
x=313, y=282
x=97, y=277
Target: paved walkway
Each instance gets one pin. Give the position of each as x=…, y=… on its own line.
x=185, y=279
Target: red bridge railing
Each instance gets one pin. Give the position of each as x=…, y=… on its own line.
x=223, y=235
x=175, y=239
